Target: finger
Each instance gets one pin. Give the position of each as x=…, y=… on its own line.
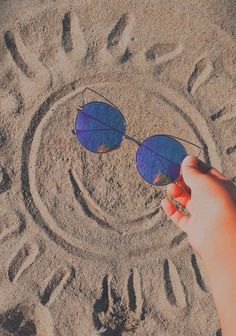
x=177, y=216
x=168, y=207
x=188, y=206
x=206, y=168
x=216, y=173
x=173, y=213
x=176, y=192
x=180, y=182
x=183, y=200
x=191, y=173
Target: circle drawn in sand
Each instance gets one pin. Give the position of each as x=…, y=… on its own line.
x=86, y=202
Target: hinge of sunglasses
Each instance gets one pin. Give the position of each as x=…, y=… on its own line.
x=189, y=142
x=126, y=136
x=99, y=94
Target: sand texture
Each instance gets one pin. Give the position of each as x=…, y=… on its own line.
x=85, y=247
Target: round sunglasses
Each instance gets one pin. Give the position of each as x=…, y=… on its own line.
x=100, y=128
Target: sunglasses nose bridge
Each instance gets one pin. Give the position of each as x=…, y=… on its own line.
x=127, y=137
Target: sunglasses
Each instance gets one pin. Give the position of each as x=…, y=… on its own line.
x=100, y=128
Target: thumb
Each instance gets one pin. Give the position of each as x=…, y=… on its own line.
x=190, y=171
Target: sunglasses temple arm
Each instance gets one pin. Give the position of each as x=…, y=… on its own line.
x=87, y=88
x=189, y=142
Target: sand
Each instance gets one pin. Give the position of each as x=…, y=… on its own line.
x=85, y=247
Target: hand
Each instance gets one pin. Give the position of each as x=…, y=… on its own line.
x=211, y=202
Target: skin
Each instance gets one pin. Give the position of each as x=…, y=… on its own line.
x=210, y=199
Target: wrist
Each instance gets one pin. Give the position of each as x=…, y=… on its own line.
x=219, y=243
x=221, y=249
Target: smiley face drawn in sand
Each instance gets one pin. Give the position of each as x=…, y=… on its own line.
x=105, y=191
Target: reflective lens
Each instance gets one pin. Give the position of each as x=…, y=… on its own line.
x=99, y=127
x=159, y=159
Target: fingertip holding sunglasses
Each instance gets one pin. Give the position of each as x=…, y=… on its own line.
x=100, y=127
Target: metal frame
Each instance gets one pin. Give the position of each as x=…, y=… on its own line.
x=127, y=136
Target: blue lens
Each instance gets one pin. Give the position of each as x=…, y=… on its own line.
x=159, y=159
x=100, y=127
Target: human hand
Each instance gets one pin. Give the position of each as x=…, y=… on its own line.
x=211, y=202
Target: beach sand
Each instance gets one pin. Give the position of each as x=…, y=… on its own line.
x=85, y=247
